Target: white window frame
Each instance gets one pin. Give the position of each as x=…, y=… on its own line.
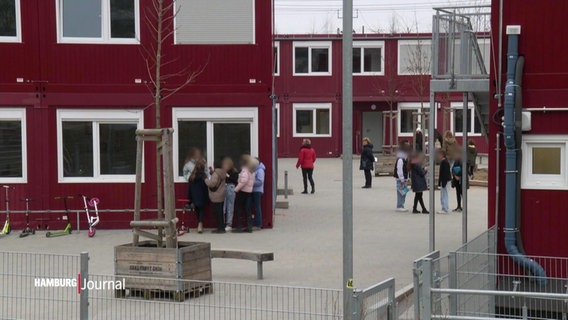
x=412, y=42
x=313, y=107
x=416, y=107
x=100, y=117
x=213, y=115
x=277, y=106
x=105, y=26
x=471, y=118
x=312, y=45
x=370, y=45
x=542, y=181
x=18, y=37
x=18, y=114
x=277, y=59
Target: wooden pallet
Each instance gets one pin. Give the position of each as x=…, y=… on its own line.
x=154, y=294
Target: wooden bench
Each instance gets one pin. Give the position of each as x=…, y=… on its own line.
x=259, y=257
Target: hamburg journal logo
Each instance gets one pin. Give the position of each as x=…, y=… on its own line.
x=79, y=284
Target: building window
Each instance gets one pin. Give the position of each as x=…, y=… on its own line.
x=98, y=21
x=217, y=132
x=97, y=145
x=544, y=162
x=414, y=57
x=312, y=58
x=473, y=124
x=368, y=58
x=276, y=57
x=13, y=146
x=10, y=21
x=215, y=22
x=312, y=120
x=409, y=118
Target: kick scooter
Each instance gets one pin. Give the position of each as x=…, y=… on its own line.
x=7, y=228
x=67, y=229
x=27, y=231
x=183, y=229
x=92, y=220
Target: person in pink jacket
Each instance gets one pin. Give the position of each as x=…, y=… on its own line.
x=306, y=160
x=244, y=193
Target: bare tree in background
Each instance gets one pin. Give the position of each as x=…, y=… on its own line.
x=159, y=17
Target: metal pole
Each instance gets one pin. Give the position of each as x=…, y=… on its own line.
x=432, y=172
x=84, y=294
x=465, y=177
x=274, y=152
x=286, y=184
x=347, y=107
x=78, y=228
x=426, y=312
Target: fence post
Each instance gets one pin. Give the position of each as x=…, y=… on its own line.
x=392, y=302
x=426, y=289
x=416, y=273
x=453, y=282
x=84, y=294
x=356, y=305
x=286, y=184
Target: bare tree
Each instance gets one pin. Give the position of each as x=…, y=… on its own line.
x=159, y=17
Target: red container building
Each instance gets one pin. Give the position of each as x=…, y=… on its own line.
x=74, y=86
x=390, y=83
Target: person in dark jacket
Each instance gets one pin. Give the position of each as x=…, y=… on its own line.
x=457, y=170
x=306, y=160
x=367, y=161
x=444, y=178
x=418, y=179
x=198, y=194
x=471, y=158
x=419, y=140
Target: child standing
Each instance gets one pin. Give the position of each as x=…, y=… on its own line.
x=232, y=180
x=418, y=179
x=444, y=178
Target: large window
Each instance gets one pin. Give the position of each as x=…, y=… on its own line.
x=98, y=21
x=473, y=124
x=217, y=132
x=312, y=58
x=544, y=162
x=414, y=57
x=368, y=58
x=97, y=145
x=215, y=22
x=10, y=21
x=312, y=119
x=13, y=146
x=410, y=118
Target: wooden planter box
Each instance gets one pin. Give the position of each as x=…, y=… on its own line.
x=160, y=272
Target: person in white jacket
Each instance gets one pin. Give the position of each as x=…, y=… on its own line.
x=401, y=175
x=244, y=190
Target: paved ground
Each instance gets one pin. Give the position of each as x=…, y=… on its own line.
x=306, y=239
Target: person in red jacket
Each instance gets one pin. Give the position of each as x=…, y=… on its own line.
x=306, y=161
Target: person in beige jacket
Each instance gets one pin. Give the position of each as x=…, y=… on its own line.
x=217, y=188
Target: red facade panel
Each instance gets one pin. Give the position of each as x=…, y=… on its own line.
x=102, y=76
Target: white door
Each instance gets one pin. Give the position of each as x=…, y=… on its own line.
x=373, y=128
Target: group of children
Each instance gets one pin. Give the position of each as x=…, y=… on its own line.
x=409, y=165
x=228, y=190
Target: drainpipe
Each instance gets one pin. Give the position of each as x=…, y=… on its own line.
x=511, y=170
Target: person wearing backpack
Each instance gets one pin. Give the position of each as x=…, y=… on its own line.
x=217, y=190
x=367, y=161
x=401, y=175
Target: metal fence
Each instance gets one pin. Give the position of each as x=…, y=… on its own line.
x=476, y=283
x=376, y=302
x=48, y=286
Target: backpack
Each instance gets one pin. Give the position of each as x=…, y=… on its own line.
x=404, y=166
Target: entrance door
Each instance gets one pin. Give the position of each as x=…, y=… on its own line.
x=373, y=128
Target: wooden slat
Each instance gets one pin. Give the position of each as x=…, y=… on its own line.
x=244, y=255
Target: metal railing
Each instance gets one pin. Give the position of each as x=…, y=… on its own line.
x=474, y=282
x=376, y=302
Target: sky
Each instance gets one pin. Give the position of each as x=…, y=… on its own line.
x=324, y=16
